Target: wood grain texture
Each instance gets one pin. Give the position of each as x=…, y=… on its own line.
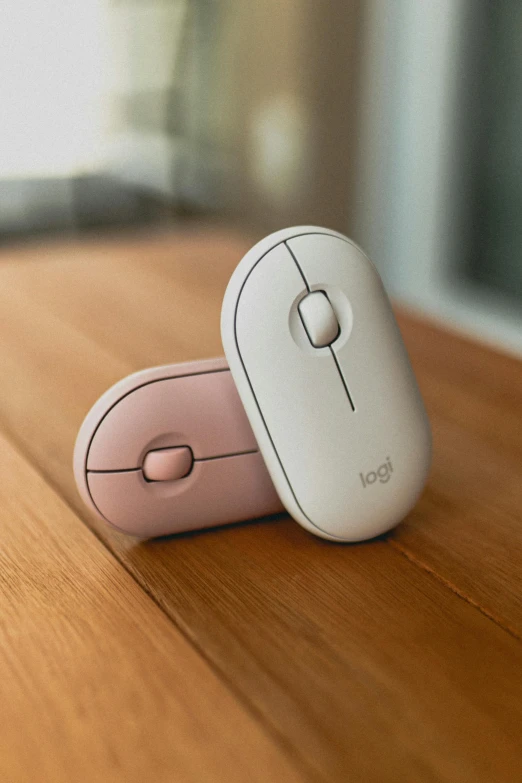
x=95, y=682
x=367, y=662
x=467, y=527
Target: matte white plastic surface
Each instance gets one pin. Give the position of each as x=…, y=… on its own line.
x=342, y=429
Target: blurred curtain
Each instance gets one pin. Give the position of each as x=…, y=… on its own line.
x=287, y=110
x=164, y=74
x=246, y=109
x=105, y=111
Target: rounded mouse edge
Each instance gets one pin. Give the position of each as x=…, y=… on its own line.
x=263, y=247
x=256, y=253
x=111, y=397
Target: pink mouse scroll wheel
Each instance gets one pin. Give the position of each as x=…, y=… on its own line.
x=168, y=464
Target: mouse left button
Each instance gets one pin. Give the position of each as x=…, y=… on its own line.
x=168, y=464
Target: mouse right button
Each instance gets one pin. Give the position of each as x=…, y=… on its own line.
x=389, y=425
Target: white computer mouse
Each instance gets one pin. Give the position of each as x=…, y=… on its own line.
x=323, y=374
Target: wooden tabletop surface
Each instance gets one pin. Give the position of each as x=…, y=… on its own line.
x=255, y=652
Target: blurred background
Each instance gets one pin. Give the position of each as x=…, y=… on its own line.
x=397, y=122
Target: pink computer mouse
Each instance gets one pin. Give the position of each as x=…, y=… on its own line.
x=169, y=450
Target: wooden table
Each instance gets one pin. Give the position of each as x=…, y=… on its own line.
x=255, y=652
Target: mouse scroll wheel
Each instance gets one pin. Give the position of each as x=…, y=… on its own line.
x=168, y=464
x=319, y=319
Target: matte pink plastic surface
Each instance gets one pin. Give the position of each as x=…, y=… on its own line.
x=202, y=410
x=195, y=405
x=216, y=492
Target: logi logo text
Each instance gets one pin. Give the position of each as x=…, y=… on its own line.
x=382, y=474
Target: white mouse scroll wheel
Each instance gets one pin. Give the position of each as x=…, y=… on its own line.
x=168, y=464
x=319, y=319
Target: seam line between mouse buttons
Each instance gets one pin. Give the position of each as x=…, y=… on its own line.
x=334, y=355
